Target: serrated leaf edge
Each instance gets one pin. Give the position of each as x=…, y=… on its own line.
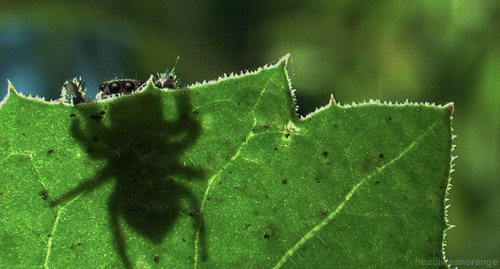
x=449, y=106
x=283, y=60
x=446, y=202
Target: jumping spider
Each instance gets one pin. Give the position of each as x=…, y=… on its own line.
x=143, y=152
x=166, y=80
x=117, y=86
x=75, y=88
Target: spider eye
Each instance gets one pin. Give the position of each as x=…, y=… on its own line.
x=129, y=86
x=102, y=87
x=114, y=87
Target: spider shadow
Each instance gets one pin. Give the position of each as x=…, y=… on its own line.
x=143, y=151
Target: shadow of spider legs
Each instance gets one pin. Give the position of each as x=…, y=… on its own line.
x=149, y=206
x=143, y=152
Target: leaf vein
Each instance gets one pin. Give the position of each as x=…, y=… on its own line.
x=216, y=175
x=315, y=230
x=51, y=236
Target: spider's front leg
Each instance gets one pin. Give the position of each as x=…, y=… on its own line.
x=75, y=89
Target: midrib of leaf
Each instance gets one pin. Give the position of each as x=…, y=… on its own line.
x=236, y=155
x=315, y=230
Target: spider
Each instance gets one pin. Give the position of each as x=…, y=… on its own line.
x=123, y=86
x=166, y=80
x=142, y=150
x=75, y=88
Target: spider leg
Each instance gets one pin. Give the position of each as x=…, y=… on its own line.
x=114, y=218
x=85, y=187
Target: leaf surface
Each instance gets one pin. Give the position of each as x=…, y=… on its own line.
x=222, y=175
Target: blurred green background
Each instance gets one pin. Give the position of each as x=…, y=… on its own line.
x=435, y=51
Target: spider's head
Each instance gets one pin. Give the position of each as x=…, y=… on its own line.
x=118, y=86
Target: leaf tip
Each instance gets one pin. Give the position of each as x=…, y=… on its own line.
x=284, y=60
x=10, y=90
x=332, y=100
x=450, y=107
x=148, y=84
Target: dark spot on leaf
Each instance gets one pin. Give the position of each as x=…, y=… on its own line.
x=266, y=235
x=45, y=194
x=275, y=148
x=102, y=112
x=391, y=235
x=96, y=117
x=287, y=135
x=230, y=172
x=238, y=103
x=73, y=246
x=189, y=213
x=381, y=155
x=377, y=182
x=441, y=186
x=1, y=194
x=157, y=259
x=284, y=181
x=24, y=134
x=317, y=179
x=183, y=239
x=246, y=226
x=72, y=115
x=196, y=112
x=388, y=119
x=50, y=151
x=267, y=126
x=324, y=213
x=325, y=154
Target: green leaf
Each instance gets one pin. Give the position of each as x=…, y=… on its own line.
x=222, y=175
